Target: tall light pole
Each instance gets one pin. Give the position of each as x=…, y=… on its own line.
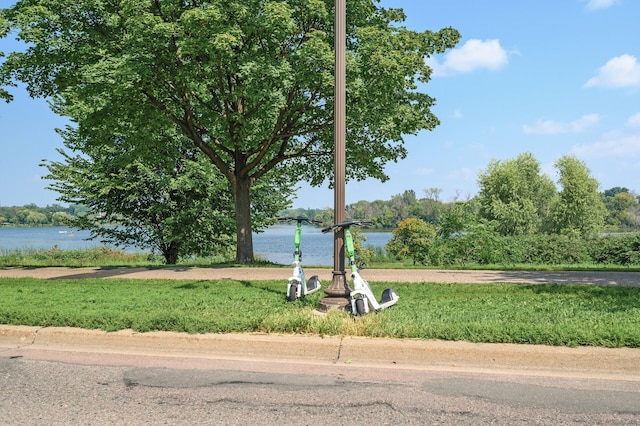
x=338, y=292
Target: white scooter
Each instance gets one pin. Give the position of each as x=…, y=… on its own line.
x=297, y=286
x=362, y=298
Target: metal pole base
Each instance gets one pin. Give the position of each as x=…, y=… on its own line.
x=338, y=294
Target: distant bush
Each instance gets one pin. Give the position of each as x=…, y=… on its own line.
x=616, y=249
x=484, y=247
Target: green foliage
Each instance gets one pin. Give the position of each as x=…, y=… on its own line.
x=412, y=238
x=387, y=214
x=622, y=208
x=579, y=207
x=516, y=196
x=95, y=256
x=175, y=204
x=32, y=215
x=562, y=315
x=555, y=249
x=483, y=247
x=457, y=218
x=480, y=245
x=4, y=30
x=249, y=83
x=622, y=249
x=518, y=200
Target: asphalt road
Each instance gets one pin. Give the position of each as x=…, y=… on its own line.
x=71, y=376
x=58, y=388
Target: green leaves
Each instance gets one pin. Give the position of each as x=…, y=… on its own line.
x=247, y=82
x=252, y=76
x=516, y=196
x=413, y=239
x=579, y=207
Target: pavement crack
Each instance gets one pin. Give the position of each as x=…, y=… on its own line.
x=339, y=351
x=35, y=335
x=24, y=341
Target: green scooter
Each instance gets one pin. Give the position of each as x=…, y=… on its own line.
x=362, y=298
x=297, y=286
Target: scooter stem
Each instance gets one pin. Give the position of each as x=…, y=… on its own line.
x=348, y=239
x=296, y=241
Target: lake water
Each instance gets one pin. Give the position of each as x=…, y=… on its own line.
x=275, y=244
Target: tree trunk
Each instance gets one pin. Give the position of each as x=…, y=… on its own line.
x=242, y=200
x=170, y=253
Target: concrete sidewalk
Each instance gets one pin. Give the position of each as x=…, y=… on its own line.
x=350, y=352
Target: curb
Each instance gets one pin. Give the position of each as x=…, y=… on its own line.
x=398, y=354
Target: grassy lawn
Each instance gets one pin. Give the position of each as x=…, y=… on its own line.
x=568, y=315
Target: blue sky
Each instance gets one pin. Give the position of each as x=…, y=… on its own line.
x=550, y=77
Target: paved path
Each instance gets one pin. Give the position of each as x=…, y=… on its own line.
x=325, y=274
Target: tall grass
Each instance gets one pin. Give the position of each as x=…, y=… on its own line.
x=566, y=315
x=93, y=256
x=103, y=256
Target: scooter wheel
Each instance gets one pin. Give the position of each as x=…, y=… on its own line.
x=360, y=307
x=291, y=293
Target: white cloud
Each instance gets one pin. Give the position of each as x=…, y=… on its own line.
x=600, y=4
x=424, y=171
x=464, y=174
x=625, y=147
x=634, y=120
x=621, y=71
x=473, y=55
x=457, y=114
x=550, y=127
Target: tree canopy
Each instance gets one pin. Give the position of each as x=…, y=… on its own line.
x=516, y=196
x=517, y=199
x=579, y=207
x=178, y=204
x=248, y=82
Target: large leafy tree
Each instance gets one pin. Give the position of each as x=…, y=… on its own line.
x=175, y=202
x=579, y=207
x=515, y=196
x=248, y=82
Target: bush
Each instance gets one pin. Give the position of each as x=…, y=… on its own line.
x=485, y=247
x=412, y=239
x=559, y=249
x=615, y=249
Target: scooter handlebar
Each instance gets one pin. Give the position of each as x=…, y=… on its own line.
x=346, y=224
x=298, y=219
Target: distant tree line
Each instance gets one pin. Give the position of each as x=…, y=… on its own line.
x=616, y=209
x=519, y=214
x=32, y=215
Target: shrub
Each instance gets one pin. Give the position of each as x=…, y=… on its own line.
x=412, y=239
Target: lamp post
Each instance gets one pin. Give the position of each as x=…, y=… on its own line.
x=338, y=293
